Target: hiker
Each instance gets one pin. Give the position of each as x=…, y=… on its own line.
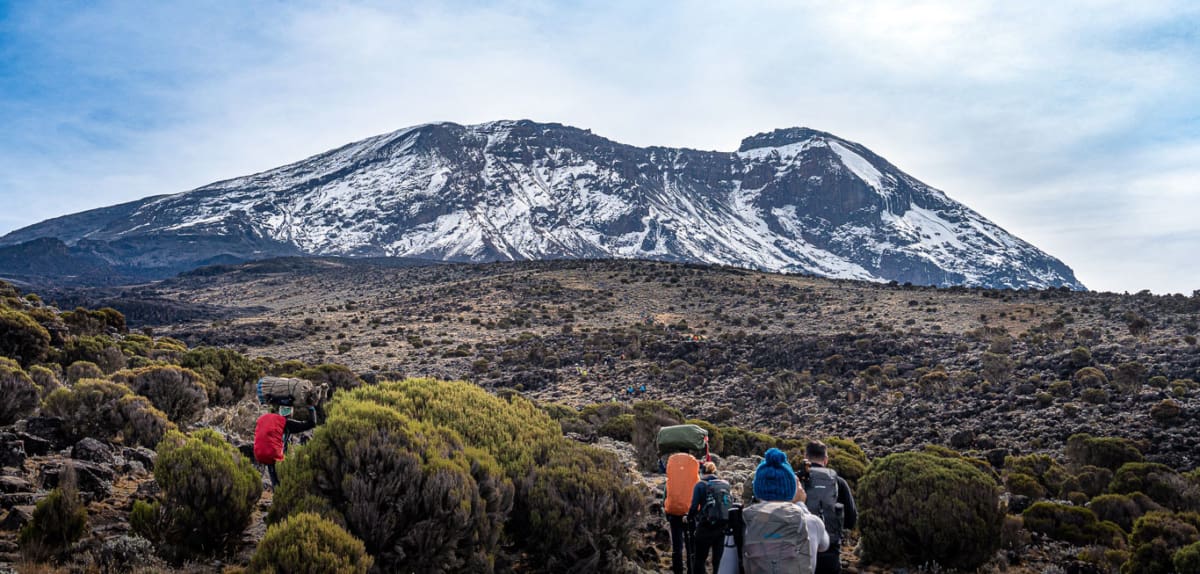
x=711, y=501
x=683, y=472
x=830, y=498
x=271, y=434
x=776, y=535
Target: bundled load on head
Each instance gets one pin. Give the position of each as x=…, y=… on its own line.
x=683, y=438
x=290, y=392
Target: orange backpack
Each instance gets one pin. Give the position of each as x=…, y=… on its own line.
x=683, y=472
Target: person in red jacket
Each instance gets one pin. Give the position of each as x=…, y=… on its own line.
x=270, y=437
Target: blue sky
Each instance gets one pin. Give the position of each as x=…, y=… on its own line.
x=1075, y=126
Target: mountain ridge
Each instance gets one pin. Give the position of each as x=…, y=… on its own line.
x=794, y=200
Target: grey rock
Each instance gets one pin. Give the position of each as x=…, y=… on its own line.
x=49, y=429
x=93, y=480
x=17, y=499
x=92, y=450
x=141, y=454
x=17, y=517
x=11, y=484
x=12, y=453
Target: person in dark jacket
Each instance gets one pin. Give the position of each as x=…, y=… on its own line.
x=830, y=561
x=270, y=436
x=708, y=537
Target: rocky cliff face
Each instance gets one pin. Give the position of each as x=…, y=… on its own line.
x=792, y=200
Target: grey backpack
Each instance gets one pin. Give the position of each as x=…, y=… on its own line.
x=822, y=489
x=776, y=539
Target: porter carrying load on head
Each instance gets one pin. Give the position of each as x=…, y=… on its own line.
x=683, y=438
x=289, y=392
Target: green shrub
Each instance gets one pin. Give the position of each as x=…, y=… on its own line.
x=411, y=491
x=1073, y=524
x=918, y=508
x=180, y=393
x=100, y=350
x=87, y=322
x=337, y=377
x=576, y=506
x=20, y=394
x=1159, y=482
x=45, y=378
x=1093, y=480
x=209, y=491
x=619, y=428
x=232, y=372
x=309, y=544
x=80, y=370
x=107, y=411
x=1166, y=412
x=59, y=520
x=21, y=338
x=1094, y=396
x=1110, y=453
x=1089, y=378
x=1121, y=509
x=1051, y=475
x=1157, y=536
x=648, y=418
x=848, y=459
x=1187, y=559
x=1024, y=485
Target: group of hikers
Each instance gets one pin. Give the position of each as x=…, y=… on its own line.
x=793, y=525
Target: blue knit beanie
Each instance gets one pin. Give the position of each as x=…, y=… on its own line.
x=775, y=480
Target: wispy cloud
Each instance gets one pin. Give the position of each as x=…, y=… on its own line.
x=1073, y=124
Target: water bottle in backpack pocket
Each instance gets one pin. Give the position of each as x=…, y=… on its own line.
x=717, y=501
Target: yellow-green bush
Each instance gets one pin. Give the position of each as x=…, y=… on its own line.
x=309, y=544
x=21, y=338
x=917, y=508
x=847, y=459
x=619, y=428
x=58, y=521
x=46, y=379
x=20, y=394
x=209, y=491
x=1121, y=509
x=1187, y=559
x=1046, y=470
x=1104, y=452
x=106, y=410
x=418, y=498
x=1073, y=524
x=180, y=393
x=100, y=350
x=577, y=505
x=1156, y=538
x=1160, y=483
x=1022, y=484
x=80, y=370
x=230, y=370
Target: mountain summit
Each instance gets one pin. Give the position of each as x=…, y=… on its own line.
x=791, y=200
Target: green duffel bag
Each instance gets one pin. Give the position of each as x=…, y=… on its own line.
x=681, y=438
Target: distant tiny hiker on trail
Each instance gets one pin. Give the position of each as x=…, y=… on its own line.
x=271, y=434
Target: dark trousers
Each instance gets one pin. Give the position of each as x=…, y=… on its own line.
x=830, y=561
x=704, y=541
x=677, y=528
x=274, y=475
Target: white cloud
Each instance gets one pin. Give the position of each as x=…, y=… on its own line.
x=1057, y=121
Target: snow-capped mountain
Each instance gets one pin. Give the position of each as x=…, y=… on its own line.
x=792, y=200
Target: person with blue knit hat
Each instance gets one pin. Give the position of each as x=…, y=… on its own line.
x=776, y=530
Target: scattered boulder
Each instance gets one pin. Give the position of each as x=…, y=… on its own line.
x=50, y=429
x=17, y=499
x=11, y=484
x=17, y=517
x=94, y=480
x=35, y=445
x=142, y=455
x=92, y=450
x=12, y=451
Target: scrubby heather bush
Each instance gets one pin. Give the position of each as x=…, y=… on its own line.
x=180, y=393
x=619, y=428
x=46, y=379
x=337, y=377
x=1122, y=510
x=648, y=418
x=58, y=521
x=21, y=338
x=1089, y=378
x=105, y=410
x=577, y=506
x=1072, y=524
x=1104, y=452
x=1166, y=412
x=309, y=544
x=1160, y=483
x=94, y=322
x=100, y=349
x=209, y=492
x=80, y=370
x=419, y=500
x=1187, y=559
x=1022, y=484
x=18, y=393
x=232, y=372
x=1092, y=480
x=848, y=459
x=917, y=508
x=1157, y=536
x=1049, y=474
